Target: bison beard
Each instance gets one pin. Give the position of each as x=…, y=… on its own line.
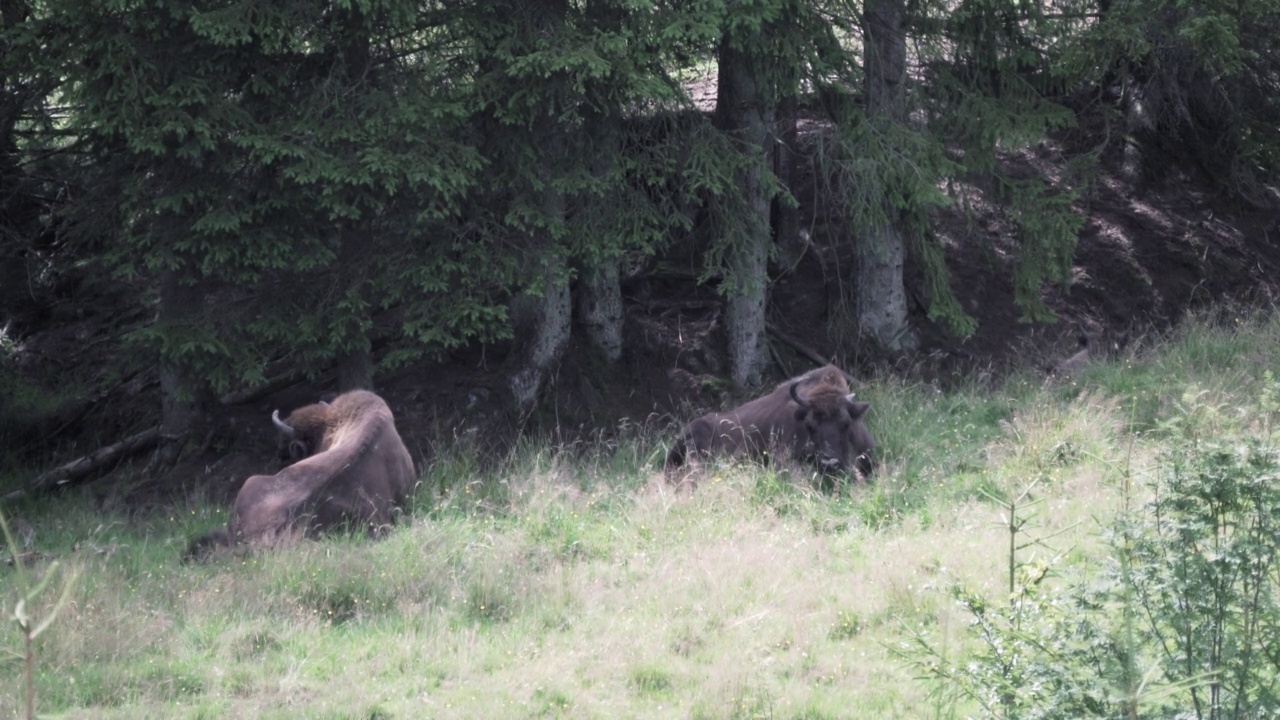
x=814, y=416
x=351, y=470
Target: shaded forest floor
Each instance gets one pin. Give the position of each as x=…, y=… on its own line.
x=1148, y=254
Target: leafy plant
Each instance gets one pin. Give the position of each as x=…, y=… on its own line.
x=1204, y=570
x=1182, y=622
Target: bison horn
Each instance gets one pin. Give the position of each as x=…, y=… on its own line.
x=796, y=396
x=282, y=425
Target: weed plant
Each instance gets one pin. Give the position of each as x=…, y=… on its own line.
x=570, y=579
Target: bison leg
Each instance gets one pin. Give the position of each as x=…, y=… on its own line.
x=697, y=438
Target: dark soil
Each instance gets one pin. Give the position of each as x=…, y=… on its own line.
x=1146, y=257
x=1149, y=253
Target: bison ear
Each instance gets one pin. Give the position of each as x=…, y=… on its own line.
x=858, y=409
x=297, y=450
x=801, y=413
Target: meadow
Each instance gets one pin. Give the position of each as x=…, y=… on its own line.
x=1005, y=561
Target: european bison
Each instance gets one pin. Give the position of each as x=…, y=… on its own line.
x=351, y=469
x=814, y=416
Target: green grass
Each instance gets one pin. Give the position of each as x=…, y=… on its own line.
x=570, y=581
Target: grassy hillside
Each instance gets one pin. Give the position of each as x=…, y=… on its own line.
x=573, y=582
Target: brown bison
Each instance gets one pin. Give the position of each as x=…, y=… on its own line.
x=350, y=470
x=814, y=416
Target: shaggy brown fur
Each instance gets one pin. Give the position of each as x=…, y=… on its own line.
x=813, y=416
x=355, y=472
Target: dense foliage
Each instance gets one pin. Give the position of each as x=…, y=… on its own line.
x=314, y=184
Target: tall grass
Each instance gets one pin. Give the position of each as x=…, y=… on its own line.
x=570, y=580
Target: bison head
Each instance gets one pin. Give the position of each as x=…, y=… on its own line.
x=302, y=433
x=830, y=431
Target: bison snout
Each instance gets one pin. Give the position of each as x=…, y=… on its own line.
x=830, y=463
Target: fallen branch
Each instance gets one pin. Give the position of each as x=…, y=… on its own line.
x=90, y=463
x=803, y=349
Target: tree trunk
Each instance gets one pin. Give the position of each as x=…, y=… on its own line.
x=355, y=371
x=743, y=111
x=20, y=209
x=542, y=321
x=181, y=307
x=355, y=366
x=542, y=324
x=600, y=288
x=600, y=307
x=882, y=302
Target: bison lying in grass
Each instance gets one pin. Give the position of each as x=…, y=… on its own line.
x=814, y=418
x=350, y=470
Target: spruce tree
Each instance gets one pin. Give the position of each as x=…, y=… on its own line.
x=24, y=197
x=248, y=152
x=562, y=99
x=979, y=88
x=1186, y=85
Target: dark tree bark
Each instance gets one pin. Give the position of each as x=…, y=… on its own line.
x=786, y=217
x=355, y=366
x=183, y=395
x=20, y=206
x=355, y=371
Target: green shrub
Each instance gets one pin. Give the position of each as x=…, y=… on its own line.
x=1184, y=621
